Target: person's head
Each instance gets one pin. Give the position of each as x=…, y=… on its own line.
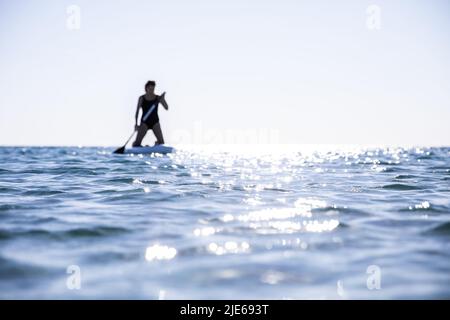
x=150, y=86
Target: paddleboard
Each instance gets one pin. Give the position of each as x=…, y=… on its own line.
x=162, y=149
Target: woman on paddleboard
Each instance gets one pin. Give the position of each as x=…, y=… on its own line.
x=149, y=104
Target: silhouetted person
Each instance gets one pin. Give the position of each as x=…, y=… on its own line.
x=149, y=120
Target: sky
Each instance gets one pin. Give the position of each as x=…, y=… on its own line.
x=235, y=71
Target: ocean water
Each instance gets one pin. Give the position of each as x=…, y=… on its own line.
x=292, y=223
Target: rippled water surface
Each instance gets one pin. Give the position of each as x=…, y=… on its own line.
x=295, y=224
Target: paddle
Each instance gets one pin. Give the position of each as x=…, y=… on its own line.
x=121, y=150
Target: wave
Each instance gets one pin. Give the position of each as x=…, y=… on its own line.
x=64, y=171
x=430, y=156
x=441, y=229
x=63, y=235
x=405, y=176
x=132, y=180
x=446, y=169
x=108, y=257
x=150, y=181
x=42, y=192
x=426, y=207
x=391, y=169
x=389, y=163
x=9, y=189
x=11, y=269
x=8, y=207
x=400, y=187
x=96, y=232
x=343, y=210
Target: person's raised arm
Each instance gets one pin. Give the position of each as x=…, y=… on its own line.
x=163, y=101
x=139, y=104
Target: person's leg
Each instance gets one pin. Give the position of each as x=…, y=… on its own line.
x=158, y=133
x=140, y=135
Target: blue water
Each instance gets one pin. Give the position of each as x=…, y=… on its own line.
x=298, y=223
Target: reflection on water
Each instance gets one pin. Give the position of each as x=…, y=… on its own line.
x=294, y=222
x=158, y=252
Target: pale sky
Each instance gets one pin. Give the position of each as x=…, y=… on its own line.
x=288, y=71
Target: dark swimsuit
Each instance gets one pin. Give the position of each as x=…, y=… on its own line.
x=152, y=118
